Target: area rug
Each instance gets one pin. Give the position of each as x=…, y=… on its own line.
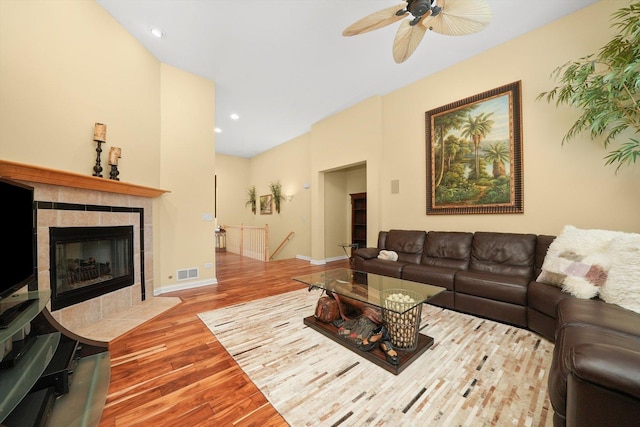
x=478, y=372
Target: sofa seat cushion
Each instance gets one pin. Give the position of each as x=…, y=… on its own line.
x=497, y=287
x=545, y=298
x=430, y=274
x=382, y=266
x=571, y=336
x=367, y=253
x=598, y=314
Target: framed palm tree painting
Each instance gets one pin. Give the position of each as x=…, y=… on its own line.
x=474, y=154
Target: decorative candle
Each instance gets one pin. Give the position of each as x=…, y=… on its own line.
x=100, y=132
x=114, y=155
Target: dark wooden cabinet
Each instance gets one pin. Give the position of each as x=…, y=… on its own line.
x=359, y=219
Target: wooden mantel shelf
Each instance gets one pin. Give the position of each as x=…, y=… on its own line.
x=23, y=172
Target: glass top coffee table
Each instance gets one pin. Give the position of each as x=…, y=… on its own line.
x=399, y=301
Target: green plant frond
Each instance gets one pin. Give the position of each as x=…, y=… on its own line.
x=627, y=154
x=605, y=87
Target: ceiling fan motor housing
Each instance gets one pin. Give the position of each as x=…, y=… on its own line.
x=419, y=7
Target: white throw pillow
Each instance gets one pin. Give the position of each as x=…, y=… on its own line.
x=388, y=255
x=623, y=282
x=579, y=260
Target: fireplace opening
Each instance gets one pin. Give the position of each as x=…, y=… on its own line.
x=87, y=262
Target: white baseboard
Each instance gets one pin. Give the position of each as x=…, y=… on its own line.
x=184, y=286
x=321, y=261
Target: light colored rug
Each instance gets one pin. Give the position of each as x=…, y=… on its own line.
x=478, y=372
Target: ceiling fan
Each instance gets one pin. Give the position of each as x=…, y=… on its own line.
x=450, y=17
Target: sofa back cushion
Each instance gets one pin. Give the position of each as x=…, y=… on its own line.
x=503, y=253
x=542, y=246
x=382, y=239
x=408, y=244
x=451, y=249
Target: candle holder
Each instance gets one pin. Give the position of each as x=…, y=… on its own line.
x=114, y=173
x=97, y=169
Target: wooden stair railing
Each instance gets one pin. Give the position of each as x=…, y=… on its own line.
x=252, y=242
x=286, y=239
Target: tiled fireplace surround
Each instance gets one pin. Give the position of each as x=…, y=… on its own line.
x=59, y=206
x=67, y=199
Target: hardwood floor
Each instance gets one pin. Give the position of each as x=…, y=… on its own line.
x=171, y=371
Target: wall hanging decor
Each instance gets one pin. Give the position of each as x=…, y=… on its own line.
x=276, y=191
x=474, y=154
x=251, y=201
x=266, y=203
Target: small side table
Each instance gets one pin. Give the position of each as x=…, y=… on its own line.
x=344, y=247
x=221, y=240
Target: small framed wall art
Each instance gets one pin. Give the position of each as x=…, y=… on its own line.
x=266, y=204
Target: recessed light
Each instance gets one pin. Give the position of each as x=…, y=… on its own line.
x=157, y=32
x=234, y=116
x=217, y=130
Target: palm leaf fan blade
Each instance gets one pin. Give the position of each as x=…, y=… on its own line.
x=460, y=17
x=407, y=40
x=376, y=20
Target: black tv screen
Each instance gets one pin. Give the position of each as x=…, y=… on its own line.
x=17, y=262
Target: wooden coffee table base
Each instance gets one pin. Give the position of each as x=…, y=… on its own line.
x=376, y=355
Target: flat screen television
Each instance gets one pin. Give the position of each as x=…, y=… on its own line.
x=17, y=263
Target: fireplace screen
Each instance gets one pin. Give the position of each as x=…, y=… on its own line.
x=87, y=262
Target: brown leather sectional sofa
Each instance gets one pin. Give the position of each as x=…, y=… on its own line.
x=594, y=378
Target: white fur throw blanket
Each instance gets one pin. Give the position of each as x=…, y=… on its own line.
x=588, y=263
x=388, y=255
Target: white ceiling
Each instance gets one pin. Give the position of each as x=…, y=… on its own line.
x=283, y=65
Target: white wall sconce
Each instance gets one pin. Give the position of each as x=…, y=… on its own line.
x=288, y=197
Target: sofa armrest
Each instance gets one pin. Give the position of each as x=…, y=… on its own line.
x=367, y=253
x=614, y=368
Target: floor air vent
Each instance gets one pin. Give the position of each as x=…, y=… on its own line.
x=190, y=273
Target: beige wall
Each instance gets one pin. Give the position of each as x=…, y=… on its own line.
x=235, y=175
x=349, y=138
x=65, y=65
x=290, y=164
x=233, y=181
x=563, y=184
x=336, y=212
x=188, y=169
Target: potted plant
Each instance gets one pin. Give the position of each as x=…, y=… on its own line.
x=276, y=191
x=251, y=192
x=606, y=87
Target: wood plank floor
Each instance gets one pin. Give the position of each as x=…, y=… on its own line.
x=171, y=371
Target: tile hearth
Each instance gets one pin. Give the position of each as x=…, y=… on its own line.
x=117, y=324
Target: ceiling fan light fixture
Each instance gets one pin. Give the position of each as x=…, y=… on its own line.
x=448, y=17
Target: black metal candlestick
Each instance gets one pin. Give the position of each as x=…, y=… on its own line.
x=114, y=173
x=97, y=169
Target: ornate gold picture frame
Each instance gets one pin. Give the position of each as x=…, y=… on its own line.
x=474, y=154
